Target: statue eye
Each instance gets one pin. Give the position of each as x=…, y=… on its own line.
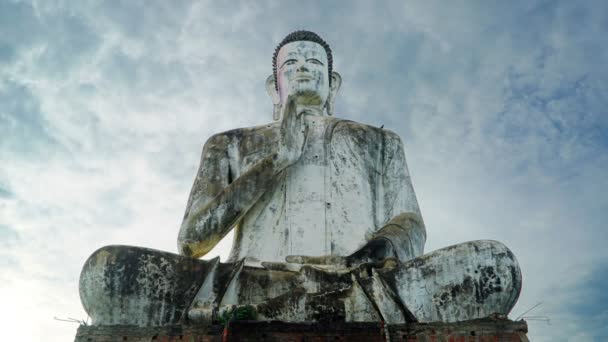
x=289, y=62
x=314, y=61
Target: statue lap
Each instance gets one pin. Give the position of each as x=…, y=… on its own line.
x=138, y=286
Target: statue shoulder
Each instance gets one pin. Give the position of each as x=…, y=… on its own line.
x=353, y=127
x=237, y=135
x=392, y=137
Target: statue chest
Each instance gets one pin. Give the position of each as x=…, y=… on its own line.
x=307, y=195
x=324, y=204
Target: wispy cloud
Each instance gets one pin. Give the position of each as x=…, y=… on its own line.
x=104, y=107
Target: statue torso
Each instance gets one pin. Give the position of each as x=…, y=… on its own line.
x=326, y=203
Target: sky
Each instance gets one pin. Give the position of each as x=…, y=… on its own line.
x=502, y=107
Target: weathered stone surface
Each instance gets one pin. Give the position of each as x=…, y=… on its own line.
x=162, y=286
x=308, y=184
x=350, y=181
x=327, y=227
x=139, y=286
x=474, y=279
x=489, y=330
x=468, y=280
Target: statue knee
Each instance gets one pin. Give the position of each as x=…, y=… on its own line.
x=109, y=267
x=138, y=286
x=465, y=281
x=495, y=263
x=109, y=271
x=108, y=281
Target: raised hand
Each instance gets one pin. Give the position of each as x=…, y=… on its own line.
x=292, y=134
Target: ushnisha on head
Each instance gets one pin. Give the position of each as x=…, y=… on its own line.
x=303, y=67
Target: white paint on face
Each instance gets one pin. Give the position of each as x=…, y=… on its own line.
x=302, y=70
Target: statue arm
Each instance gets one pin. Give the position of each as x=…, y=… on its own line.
x=216, y=203
x=404, y=229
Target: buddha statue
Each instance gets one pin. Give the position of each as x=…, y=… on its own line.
x=326, y=226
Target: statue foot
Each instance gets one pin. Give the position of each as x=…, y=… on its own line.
x=125, y=285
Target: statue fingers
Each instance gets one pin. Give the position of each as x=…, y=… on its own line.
x=289, y=112
x=303, y=259
x=386, y=263
x=390, y=263
x=281, y=266
x=316, y=260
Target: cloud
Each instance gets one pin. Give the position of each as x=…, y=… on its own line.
x=23, y=127
x=5, y=192
x=8, y=238
x=105, y=106
x=579, y=311
x=8, y=235
x=589, y=307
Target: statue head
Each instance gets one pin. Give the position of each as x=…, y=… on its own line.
x=302, y=66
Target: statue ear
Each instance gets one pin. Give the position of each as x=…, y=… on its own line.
x=336, y=82
x=271, y=89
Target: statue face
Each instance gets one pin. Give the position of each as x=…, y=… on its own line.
x=302, y=71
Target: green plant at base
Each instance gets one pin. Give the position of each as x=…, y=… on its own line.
x=242, y=313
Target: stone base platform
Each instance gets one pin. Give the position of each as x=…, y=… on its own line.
x=483, y=330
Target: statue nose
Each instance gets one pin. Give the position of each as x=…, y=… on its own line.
x=302, y=67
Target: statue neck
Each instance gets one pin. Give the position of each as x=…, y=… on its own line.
x=309, y=109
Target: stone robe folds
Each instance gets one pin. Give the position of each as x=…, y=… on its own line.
x=346, y=189
x=349, y=182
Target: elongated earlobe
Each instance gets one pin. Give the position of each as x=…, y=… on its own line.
x=274, y=96
x=336, y=82
x=276, y=112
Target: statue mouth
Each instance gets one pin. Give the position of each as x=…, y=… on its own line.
x=303, y=78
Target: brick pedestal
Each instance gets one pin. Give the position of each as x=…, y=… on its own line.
x=477, y=330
